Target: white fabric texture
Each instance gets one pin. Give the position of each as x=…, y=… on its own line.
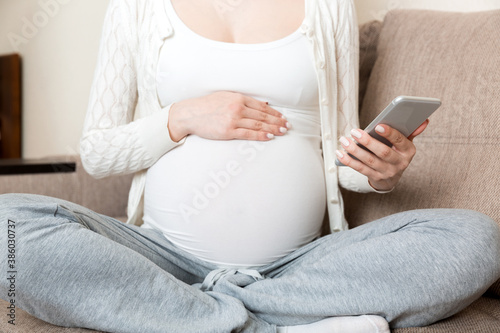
x=210, y=197
x=348, y=324
x=125, y=129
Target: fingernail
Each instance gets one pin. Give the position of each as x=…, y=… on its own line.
x=356, y=133
x=270, y=136
x=344, y=141
x=288, y=125
x=380, y=129
x=339, y=154
x=283, y=130
x=283, y=117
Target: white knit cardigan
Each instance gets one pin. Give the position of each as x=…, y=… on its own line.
x=125, y=128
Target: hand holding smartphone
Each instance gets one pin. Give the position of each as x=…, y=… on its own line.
x=405, y=114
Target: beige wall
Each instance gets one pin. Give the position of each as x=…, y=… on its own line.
x=58, y=42
x=60, y=54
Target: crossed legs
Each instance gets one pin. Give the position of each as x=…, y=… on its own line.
x=77, y=268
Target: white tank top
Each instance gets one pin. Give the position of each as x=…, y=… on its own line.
x=239, y=203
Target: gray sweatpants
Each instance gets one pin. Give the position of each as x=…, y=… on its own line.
x=76, y=268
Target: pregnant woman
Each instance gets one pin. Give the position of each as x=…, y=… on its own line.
x=229, y=113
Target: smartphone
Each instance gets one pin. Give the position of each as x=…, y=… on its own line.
x=405, y=114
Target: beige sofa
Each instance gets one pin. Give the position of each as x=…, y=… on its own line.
x=455, y=57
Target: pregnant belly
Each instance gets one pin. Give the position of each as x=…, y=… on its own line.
x=238, y=203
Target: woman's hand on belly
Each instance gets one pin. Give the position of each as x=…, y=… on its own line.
x=225, y=116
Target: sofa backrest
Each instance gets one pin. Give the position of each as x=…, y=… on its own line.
x=105, y=196
x=454, y=57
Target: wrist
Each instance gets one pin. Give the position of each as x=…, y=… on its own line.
x=175, y=126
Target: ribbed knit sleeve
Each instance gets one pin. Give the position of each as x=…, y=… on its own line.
x=347, y=56
x=112, y=141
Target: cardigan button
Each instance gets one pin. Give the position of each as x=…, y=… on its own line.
x=334, y=201
x=304, y=28
x=328, y=136
x=332, y=169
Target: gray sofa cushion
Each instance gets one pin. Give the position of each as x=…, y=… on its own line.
x=368, y=40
